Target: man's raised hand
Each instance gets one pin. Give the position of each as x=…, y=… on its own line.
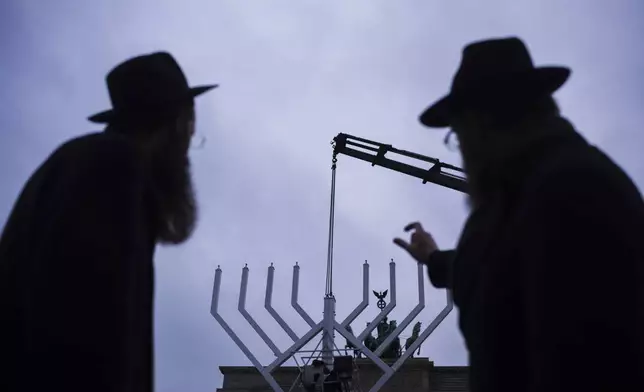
x=421, y=244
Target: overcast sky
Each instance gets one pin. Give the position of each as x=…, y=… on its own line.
x=293, y=74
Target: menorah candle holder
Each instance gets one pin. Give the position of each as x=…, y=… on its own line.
x=328, y=325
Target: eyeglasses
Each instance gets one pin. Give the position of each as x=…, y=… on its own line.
x=197, y=142
x=451, y=141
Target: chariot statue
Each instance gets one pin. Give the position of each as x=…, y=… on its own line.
x=384, y=329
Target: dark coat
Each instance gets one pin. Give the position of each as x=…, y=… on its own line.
x=76, y=274
x=549, y=277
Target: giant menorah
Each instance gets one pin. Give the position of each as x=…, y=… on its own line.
x=328, y=324
x=343, y=144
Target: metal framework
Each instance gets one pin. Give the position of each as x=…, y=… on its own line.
x=439, y=173
x=345, y=144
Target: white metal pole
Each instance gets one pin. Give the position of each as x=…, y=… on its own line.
x=269, y=306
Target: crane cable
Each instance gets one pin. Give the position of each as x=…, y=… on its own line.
x=329, y=258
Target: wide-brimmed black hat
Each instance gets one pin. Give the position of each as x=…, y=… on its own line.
x=147, y=86
x=494, y=71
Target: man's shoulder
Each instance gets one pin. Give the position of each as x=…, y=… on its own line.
x=97, y=151
x=97, y=144
x=582, y=170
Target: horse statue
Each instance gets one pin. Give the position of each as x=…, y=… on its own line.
x=383, y=330
x=394, y=350
x=414, y=335
x=370, y=342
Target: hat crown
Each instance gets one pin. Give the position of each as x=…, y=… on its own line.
x=147, y=87
x=494, y=73
x=146, y=82
x=487, y=62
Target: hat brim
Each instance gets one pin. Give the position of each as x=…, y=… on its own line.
x=540, y=80
x=108, y=116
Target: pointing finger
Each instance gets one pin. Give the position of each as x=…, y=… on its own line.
x=402, y=243
x=416, y=226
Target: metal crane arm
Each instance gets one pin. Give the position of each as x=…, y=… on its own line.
x=436, y=174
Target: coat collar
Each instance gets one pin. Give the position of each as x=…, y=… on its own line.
x=519, y=164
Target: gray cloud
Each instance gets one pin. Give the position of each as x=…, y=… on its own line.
x=292, y=75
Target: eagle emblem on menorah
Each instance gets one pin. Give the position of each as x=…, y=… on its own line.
x=381, y=304
x=385, y=349
x=384, y=329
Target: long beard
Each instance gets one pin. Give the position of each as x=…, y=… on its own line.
x=476, y=178
x=173, y=193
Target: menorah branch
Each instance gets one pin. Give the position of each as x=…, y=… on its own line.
x=294, y=294
x=249, y=318
x=214, y=311
x=410, y=317
x=360, y=346
x=390, y=306
x=288, y=353
x=365, y=297
x=269, y=307
x=414, y=346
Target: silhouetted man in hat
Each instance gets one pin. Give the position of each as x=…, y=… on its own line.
x=548, y=274
x=76, y=274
